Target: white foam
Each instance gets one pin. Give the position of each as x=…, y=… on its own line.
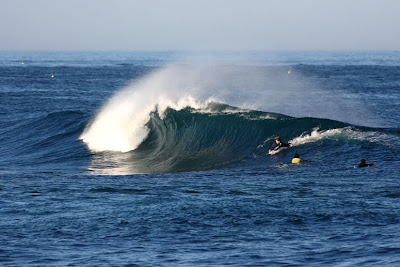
x=120, y=124
x=317, y=135
x=343, y=133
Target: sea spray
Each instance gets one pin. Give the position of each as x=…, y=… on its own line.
x=120, y=123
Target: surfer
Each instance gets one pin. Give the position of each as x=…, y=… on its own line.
x=278, y=144
x=364, y=164
x=296, y=159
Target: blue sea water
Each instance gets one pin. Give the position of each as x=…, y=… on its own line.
x=161, y=158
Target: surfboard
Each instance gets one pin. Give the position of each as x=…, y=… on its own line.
x=273, y=152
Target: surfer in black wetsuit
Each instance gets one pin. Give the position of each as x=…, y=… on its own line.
x=364, y=164
x=278, y=144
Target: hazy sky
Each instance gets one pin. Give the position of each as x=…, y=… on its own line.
x=199, y=24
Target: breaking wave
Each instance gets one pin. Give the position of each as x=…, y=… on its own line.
x=182, y=119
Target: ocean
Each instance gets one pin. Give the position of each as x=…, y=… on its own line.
x=161, y=158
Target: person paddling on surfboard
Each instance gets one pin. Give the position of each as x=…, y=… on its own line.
x=278, y=144
x=364, y=164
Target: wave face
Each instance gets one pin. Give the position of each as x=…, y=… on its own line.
x=191, y=140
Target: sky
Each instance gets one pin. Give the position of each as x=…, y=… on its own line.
x=228, y=25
